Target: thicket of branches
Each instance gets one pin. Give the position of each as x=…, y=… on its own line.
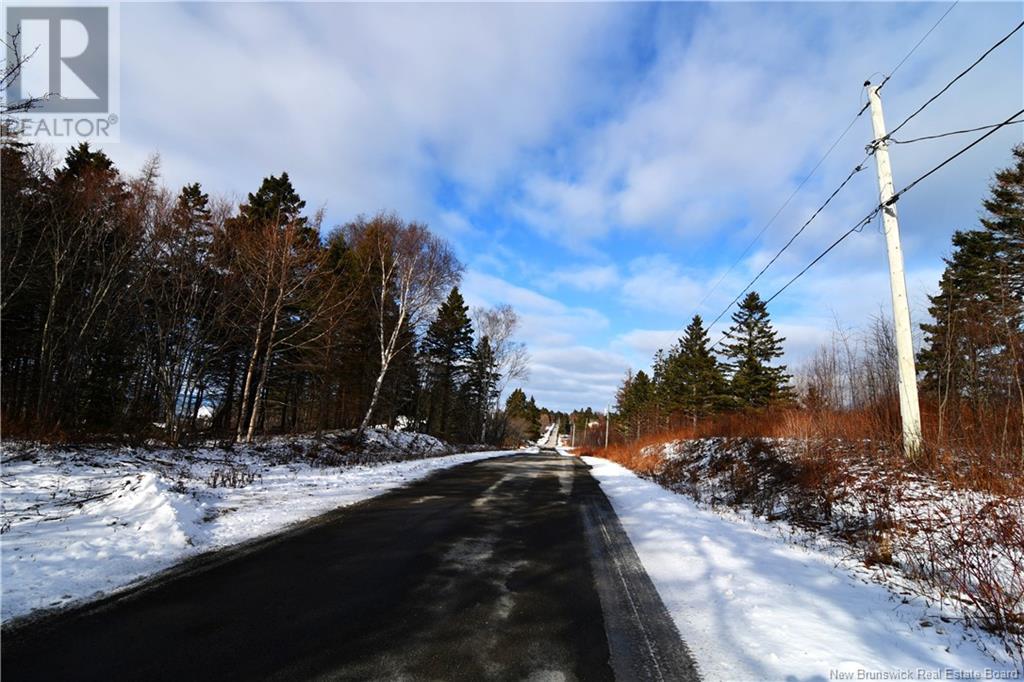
x=132, y=312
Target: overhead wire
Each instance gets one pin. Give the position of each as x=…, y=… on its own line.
x=916, y=45
x=871, y=148
x=858, y=168
x=778, y=212
x=813, y=170
x=952, y=132
x=950, y=84
x=859, y=225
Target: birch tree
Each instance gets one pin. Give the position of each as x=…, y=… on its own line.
x=409, y=271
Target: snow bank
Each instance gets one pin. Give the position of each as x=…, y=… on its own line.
x=77, y=524
x=917, y=533
x=752, y=606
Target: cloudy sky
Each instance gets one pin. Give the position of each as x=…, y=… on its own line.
x=598, y=166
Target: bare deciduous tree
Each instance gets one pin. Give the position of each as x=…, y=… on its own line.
x=409, y=270
x=499, y=324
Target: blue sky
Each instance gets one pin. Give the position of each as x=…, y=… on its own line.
x=598, y=166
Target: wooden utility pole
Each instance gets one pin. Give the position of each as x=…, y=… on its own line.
x=910, y=409
x=607, y=423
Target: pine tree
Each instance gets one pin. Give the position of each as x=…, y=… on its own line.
x=694, y=383
x=754, y=344
x=82, y=161
x=447, y=347
x=516, y=404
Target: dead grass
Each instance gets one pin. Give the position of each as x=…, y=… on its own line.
x=986, y=457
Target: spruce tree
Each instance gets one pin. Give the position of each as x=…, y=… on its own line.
x=447, y=346
x=523, y=415
x=694, y=383
x=1005, y=222
x=635, y=404
x=516, y=404
x=479, y=390
x=753, y=345
x=978, y=313
x=275, y=201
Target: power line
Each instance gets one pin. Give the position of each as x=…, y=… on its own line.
x=859, y=167
x=914, y=48
x=953, y=132
x=912, y=51
x=856, y=228
x=895, y=197
x=778, y=212
x=803, y=182
x=950, y=83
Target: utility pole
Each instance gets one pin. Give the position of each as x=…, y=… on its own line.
x=910, y=410
x=607, y=423
x=573, y=432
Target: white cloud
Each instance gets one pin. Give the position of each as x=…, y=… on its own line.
x=362, y=104
x=646, y=342
x=733, y=113
x=656, y=283
x=586, y=277
x=576, y=376
x=563, y=373
x=487, y=120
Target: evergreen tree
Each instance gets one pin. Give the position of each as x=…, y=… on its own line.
x=523, y=415
x=693, y=381
x=81, y=162
x=754, y=344
x=635, y=404
x=192, y=211
x=447, y=347
x=128, y=310
x=978, y=313
x=480, y=390
x=276, y=201
x=516, y=404
x=1005, y=222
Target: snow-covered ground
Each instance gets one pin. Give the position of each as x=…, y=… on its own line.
x=753, y=606
x=79, y=523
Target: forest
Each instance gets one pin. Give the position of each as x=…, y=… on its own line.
x=131, y=312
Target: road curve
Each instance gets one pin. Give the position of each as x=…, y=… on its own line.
x=510, y=568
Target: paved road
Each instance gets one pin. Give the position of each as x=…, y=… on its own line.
x=551, y=439
x=512, y=568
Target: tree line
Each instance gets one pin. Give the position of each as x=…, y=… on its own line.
x=691, y=380
x=130, y=311
x=970, y=364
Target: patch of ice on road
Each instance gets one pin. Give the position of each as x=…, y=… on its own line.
x=74, y=527
x=753, y=607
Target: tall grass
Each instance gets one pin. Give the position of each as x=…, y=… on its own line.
x=984, y=456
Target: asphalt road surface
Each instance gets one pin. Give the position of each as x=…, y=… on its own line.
x=513, y=568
